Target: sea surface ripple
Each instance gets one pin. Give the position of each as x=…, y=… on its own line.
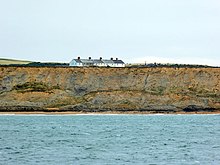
x=109, y=139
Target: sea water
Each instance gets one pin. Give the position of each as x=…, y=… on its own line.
x=109, y=139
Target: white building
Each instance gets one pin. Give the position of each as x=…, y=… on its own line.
x=97, y=62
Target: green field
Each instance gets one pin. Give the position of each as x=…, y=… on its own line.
x=12, y=61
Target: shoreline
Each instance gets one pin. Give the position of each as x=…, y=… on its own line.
x=104, y=113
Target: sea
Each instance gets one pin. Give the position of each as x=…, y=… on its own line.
x=109, y=139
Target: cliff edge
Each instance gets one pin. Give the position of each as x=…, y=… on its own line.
x=109, y=89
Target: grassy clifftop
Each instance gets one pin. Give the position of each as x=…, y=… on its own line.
x=11, y=61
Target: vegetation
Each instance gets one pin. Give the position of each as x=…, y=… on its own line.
x=17, y=63
x=151, y=65
x=11, y=62
x=38, y=64
x=21, y=63
x=34, y=87
x=64, y=101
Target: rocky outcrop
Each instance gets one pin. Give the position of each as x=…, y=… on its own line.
x=110, y=89
x=20, y=108
x=195, y=108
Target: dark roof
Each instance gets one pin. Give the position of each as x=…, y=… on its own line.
x=91, y=61
x=118, y=62
x=108, y=61
x=78, y=61
x=88, y=61
x=97, y=61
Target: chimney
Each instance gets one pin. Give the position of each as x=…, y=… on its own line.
x=78, y=58
x=116, y=59
x=90, y=58
x=111, y=58
x=100, y=58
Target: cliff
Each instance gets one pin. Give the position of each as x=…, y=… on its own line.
x=110, y=89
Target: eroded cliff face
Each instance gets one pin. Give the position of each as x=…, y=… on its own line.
x=110, y=88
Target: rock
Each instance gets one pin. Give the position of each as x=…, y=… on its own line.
x=20, y=109
x=90, y=89
x=75, y=108
x=196, y=108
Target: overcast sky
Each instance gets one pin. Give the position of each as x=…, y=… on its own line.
x=176, y=31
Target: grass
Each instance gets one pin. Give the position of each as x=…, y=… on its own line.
x=12, y=61
x=34, y=87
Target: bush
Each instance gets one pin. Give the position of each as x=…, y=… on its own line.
x=34, y=87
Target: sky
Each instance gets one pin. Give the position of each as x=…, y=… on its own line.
x=136, y=31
